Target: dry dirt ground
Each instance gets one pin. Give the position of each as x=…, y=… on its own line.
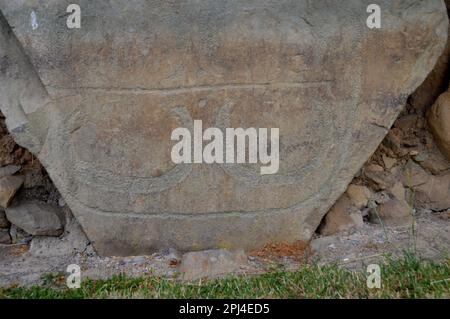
x=370, y=244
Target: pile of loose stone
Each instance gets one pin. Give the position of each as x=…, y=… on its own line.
x=23, y=220
x=408, y=175
x=32, y=213
x=400, y=199
x=47, y=228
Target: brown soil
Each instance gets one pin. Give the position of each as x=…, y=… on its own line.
x=298, y=251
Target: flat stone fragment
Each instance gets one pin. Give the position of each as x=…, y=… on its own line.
x=36, y=218
x=9, y=186
x=211, y=263
x=97, y=106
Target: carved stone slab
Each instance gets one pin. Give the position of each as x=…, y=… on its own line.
x=98, y=104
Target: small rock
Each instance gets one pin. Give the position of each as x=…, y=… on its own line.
x=422, y=156
x=9, y=185
x=5, y=238
x=435, y=166
x=342, y=217
x=389, y=162
x=439, y=123
x=428, y=191
x=4, y=223
x=9, y=170
x=398, y=191
x=378, y=177
x=359, y=195
x=211, y=263
x=435, y=194
x=36, y=218
x=392, y=213
x=414, y=175
x=375, y=168
x=19, y=236
x=433, y=161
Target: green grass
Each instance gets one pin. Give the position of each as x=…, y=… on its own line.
x=408, y=277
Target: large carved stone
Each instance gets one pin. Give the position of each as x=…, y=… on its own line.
x=97, y=105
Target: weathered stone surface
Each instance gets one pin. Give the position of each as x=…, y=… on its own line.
x=211, y=263
x=9, y=186
x=97, y=105
x=36, y=218
x=439, y=122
